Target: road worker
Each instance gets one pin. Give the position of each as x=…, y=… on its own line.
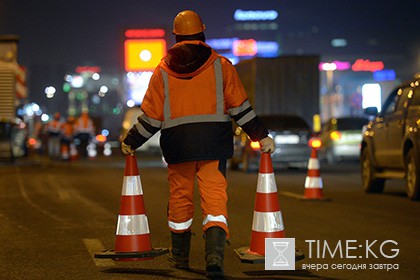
x=67, y=130
x=192, y=96
x=84, y=130
x=54, y=135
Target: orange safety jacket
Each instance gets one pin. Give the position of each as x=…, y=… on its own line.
x=67, y=130
x=54, y=127
x=84, y=124
x=194, y=111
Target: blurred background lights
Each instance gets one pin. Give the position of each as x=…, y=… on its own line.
x=77, y=82
x=96, y=76
x=145, y=55
x=50, y=91
x=371, y=94
x=130, y=103
x=338, y=42
x=105, y=132
x=45, y=117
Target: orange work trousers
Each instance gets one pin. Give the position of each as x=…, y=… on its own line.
x=212, y=186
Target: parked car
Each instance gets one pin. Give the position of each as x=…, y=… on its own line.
x=130, y=118
x=341, y=138
x=291, y=134
x=391, y=143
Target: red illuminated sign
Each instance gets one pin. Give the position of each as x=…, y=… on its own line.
x=92, y=69
x=144, y=33
x=367, y=65
x=245, y=47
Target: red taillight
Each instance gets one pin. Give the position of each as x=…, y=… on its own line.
x=315, y=143
x=100, y=138
x=255, y=145
x=32, y=141
x=335, y=135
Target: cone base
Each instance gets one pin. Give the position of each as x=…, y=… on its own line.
x=131, y=256
x=248, y=256
x=258, y=240
x=314, y=194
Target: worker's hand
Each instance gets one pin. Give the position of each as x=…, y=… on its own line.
x=267, y=145
x=126, y=149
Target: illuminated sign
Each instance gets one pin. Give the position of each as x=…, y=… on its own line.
x=144, y=33
x=339, y=65
x=371, y=94
x=143, y=54
x=244, y=47
x=249, y=26
x=92, y=69
x=367, y=65
x=241, y=15
x=263, y=48
x=221, y=43
x=384, y=75
x=338, y=42
x=328, y=66
x=267, y=49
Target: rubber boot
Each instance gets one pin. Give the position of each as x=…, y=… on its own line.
x=215, y=252
x=180, y=250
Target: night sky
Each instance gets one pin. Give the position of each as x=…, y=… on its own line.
x=60, y=34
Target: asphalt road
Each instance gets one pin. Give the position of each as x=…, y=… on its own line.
x=55, y=215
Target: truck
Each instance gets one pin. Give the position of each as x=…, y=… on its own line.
x=284, y=92
x=282, y=85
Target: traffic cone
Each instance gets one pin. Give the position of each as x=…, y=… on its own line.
x=132, y=242
x=74, y=155
x=65, y=155
x=267, y=221
x=313, y=181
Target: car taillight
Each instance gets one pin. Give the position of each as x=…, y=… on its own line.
x=335, y=135
x=32, y=141
x=315, y=143
x=255, y=145
x=100, y=138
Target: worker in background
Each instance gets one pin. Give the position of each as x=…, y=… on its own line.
x=67, y=132
x=53, y=129
x=84, y=130
x=192, y=96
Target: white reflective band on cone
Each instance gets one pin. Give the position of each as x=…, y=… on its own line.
x=132, y=185
x=267, y=221
x=313, y=182
x=211, y=218
x=132, y=224
x=313, y=163
x=180, y=226
x=266, y=183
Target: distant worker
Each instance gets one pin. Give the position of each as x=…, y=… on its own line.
x=53, y=129
x=192, y=96
x=84, y=130
x=67, y=130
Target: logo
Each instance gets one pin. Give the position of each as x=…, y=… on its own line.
x=279, y=254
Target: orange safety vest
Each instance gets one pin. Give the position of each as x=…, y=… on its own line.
x=67, y=130
x=193, y=110
x=54, y=127
x=84, y=125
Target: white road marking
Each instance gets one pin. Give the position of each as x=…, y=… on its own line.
x=94, y=246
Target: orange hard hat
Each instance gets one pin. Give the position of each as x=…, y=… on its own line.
x=188, y=23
